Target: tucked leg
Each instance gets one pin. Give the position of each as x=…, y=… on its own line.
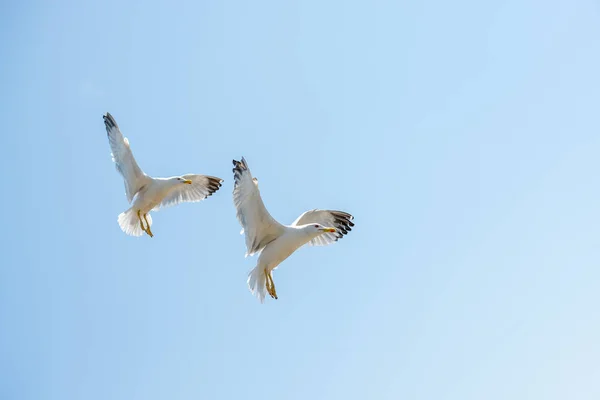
x=270, y=285
x=274, y=294
x=268, y=282
x=148, y=231
x=141, y=222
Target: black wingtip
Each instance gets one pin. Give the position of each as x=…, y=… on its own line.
x=241, y=162
x=214, y=184
x=109, y=121
x=238, y=170
x=239, y=166
x=344, y=224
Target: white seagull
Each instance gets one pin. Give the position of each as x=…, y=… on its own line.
x=276, y=242
x=148, y=193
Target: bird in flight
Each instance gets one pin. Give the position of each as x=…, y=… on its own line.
x=148, y=193
x=276, y=242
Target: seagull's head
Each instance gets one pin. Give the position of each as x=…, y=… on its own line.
x=318, y=229
x=180, y=179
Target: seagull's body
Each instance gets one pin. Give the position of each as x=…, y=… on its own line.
x=281, y=248
x=148, y=193
x=276, y=242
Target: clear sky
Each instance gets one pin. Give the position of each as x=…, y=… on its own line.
x=463, y=136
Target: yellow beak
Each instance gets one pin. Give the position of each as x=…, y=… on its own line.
x=187, y=181
x=332, y=230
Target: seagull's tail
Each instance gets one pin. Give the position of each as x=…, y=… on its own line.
x=130, y=223
x=257, y=283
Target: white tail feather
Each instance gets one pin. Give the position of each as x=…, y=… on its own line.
x=257, y=283
x=130, y=223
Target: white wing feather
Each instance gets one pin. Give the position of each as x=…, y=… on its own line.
x=258, y=225
x=341, y=221
x=123, y=158
x=202, y=186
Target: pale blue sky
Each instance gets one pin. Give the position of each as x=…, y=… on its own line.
x=463, y=136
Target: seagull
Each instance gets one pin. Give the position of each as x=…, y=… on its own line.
x=148, y=193
x=276, y=242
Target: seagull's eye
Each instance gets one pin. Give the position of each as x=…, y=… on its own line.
x=316, y=226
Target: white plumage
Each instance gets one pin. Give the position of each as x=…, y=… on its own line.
x=148, y=193
x=276, y=242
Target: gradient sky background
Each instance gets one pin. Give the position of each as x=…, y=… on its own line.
x=463, y=136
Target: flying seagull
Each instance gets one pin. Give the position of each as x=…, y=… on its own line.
x=276, y=242
x=148, y=193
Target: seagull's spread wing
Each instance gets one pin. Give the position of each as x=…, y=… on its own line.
x=341, y=221
x=202, y=186
x=257, y=223
x=122, y=156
